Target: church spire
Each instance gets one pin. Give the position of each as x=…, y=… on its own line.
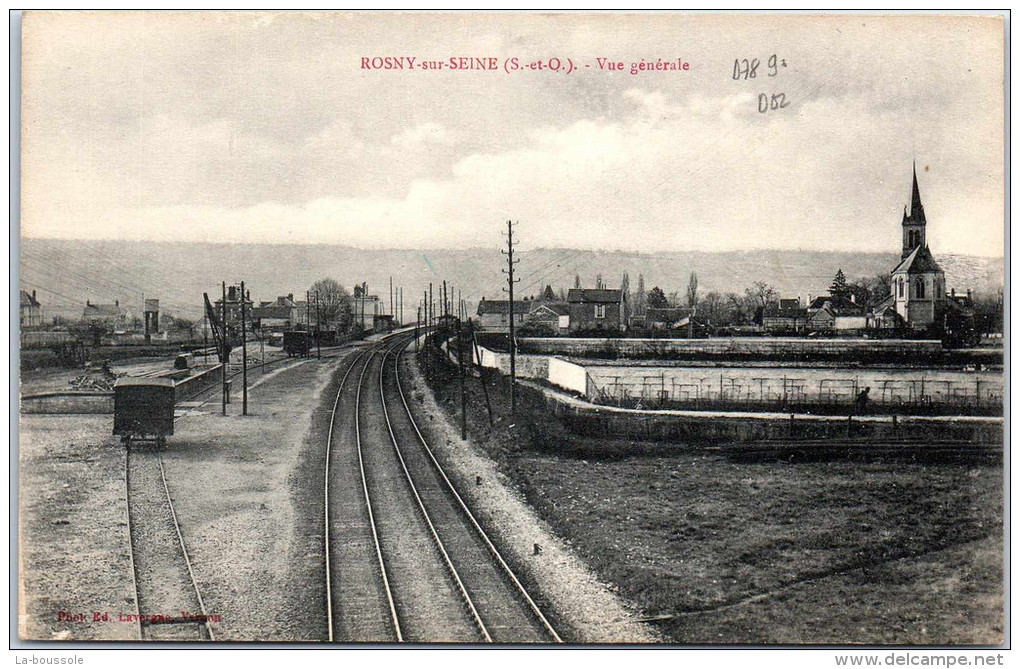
x=916, y=208
x=913, y=223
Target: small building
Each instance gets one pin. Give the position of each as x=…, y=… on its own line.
x=554, y=316
x=30, y=310
x=383, y=322
x=233, y=306
x=596, y=309
x=111, y=314
x=785, y=316
x=282, y=314
x=364, y=310
x=494, y=315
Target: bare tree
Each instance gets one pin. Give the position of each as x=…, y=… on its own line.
x=711, y=308
x=333, y=301
x=761, y=293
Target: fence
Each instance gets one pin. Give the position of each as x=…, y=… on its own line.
x=771, y=388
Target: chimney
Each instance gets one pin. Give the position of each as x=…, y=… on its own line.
x=952, y=293
x=33, y=294
x=968, y=295
x=116, y=303
x=290, y=296
x=800, y=303
x=87, y=303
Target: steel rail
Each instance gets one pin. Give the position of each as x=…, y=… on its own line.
x=485, y=537
x=326, y=534
x=368, y=502
x=184, y=549
x=421, y=506
x=131, y=543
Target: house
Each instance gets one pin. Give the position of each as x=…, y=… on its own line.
x=918, y=282
x=30, y=310
x=596, y=309
x=786, y=315
x=364, y=309
x=828, y=313
x=382, y=322
x=111, y=314
x=494, y=315
x=282, y=314
x=233, y=307
x=553, y=316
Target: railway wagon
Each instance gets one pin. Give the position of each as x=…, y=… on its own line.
x=296, y=343
x=143, y=409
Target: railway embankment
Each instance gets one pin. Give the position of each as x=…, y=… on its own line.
x=584, y=608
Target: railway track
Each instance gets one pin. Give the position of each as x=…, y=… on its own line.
x=406, y=559
x=168, y=600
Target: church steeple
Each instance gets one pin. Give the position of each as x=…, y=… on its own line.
x=913, y=223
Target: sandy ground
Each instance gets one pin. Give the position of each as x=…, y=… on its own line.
x=246, y=495
x=583, y=609
x=73, y=539
x=250, y=506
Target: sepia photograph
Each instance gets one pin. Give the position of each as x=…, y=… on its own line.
x=511, y=329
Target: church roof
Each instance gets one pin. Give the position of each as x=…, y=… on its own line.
x=916, y=208
x=920, y=260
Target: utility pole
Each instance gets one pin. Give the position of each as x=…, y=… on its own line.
x=318, y=328
x=463, y=396
x=401, y=305
x=416, y=331
x=225, y=352
x=308, y=312
x=393, y=311
x=509, y=271
x=244, y=356
x=431, y=312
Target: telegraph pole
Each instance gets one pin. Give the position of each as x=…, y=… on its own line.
x=510, y=281
x=431, y=311
x=318, y=329
x=463, y=396
x=244, y=356
x=401, y=289
x=225, y=357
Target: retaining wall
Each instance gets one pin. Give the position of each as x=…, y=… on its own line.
x=68, y=401
x=197, y=383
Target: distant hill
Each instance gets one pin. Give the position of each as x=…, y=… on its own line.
x=67, y=272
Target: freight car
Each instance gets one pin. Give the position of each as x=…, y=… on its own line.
x=296, y=343
x=143, y=409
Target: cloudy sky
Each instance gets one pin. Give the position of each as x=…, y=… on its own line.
x=264, y=128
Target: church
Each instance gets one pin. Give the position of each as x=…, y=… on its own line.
x=918, y=283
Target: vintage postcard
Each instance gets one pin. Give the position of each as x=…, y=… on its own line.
x=512, y=328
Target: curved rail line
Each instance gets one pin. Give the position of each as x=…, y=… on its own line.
x=550, y=630
x=424, y=512
x=368, y=503
x=326, y=533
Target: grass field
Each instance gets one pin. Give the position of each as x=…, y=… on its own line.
x=717, y=551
